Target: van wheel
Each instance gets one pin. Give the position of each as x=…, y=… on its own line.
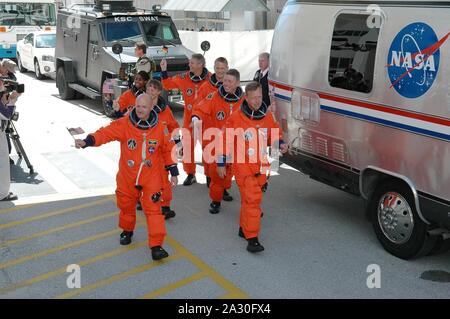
x=107, y=103
x=20, y=65
x=37, y=70
x=65, y=92
x=396, y=222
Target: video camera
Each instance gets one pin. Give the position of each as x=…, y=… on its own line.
x=11, y=85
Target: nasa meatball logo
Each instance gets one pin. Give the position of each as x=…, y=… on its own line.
x=189, y=92
x=413, y=60
x=220, y=115
x=132, y=144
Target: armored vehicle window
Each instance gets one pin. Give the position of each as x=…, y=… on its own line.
x=162, y=29
x=352, y=57
x=93, y=35
x=130, y=30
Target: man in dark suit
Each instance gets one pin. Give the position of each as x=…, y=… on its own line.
x=262, y=76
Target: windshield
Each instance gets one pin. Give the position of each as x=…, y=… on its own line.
x=27, y=14
x=163, y=29
x=46, y=41
x=129, y=30
x=132, y=29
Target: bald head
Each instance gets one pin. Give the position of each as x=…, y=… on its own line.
x=143, y=106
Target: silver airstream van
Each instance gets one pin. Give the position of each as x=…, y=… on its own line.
x=362, y=92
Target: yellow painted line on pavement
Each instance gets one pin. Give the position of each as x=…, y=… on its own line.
x=118, y=277
x=58, y=229
x=62, y=270
x=12, y=209
x=230, y=295
x=54, y=213
x=204, y=268
x=166, y=289
x=57, y=249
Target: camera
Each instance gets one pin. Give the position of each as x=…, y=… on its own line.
x=10, y=85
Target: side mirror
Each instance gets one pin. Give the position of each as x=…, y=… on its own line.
x=117, y=48
x=205, y=46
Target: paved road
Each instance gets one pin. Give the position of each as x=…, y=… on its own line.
x=318, y=243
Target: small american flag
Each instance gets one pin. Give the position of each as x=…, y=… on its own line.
x=75, y=131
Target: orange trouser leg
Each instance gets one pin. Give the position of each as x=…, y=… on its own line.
x=126, y=202
x=251, y=198
x=156, y=227
x=189, y=154
x=127, y=197
x=218, y=185
x=167, y=195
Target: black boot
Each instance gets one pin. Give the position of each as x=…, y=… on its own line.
x=190, y=179
x=214, y=207
x=125, y=237
x=254, y=246
x=241, y=233
x=226, y=196
x=208, y=181
x=167, y=212
x=139, y=206
x=159, y=253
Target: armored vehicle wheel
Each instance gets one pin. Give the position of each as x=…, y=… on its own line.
x=65, y=92
x=396, y=222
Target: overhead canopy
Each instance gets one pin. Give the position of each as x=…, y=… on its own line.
x=215, y=5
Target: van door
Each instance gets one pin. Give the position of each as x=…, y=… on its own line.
x=93, y=70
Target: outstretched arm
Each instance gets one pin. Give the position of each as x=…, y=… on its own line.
x=112, y=132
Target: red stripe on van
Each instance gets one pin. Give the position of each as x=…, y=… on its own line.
x=386, y=109
x=281, y=86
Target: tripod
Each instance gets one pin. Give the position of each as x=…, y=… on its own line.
x=15, y=138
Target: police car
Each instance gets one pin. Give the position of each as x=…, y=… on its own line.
x=95, y=48
x=363, y=96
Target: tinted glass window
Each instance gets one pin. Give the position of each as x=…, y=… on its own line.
x=155, y=31
x=352, y=57
x=23, y=14
x=122, y=31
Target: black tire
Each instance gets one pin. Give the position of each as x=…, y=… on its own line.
x=20, y=65
x=107, y=104
x=412, y=243
x=37, y=70
x=65, y=92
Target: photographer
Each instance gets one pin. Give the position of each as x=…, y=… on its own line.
x=7, y=70
x=7, y=108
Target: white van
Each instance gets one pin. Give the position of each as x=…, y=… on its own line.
x=362, y=93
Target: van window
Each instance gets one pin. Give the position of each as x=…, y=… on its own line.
x=352, y=57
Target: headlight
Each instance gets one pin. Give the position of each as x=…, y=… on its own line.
x=48, y=58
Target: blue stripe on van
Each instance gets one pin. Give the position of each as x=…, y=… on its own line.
x=387, y=123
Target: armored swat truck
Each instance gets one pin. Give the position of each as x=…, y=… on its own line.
x=95, y=49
